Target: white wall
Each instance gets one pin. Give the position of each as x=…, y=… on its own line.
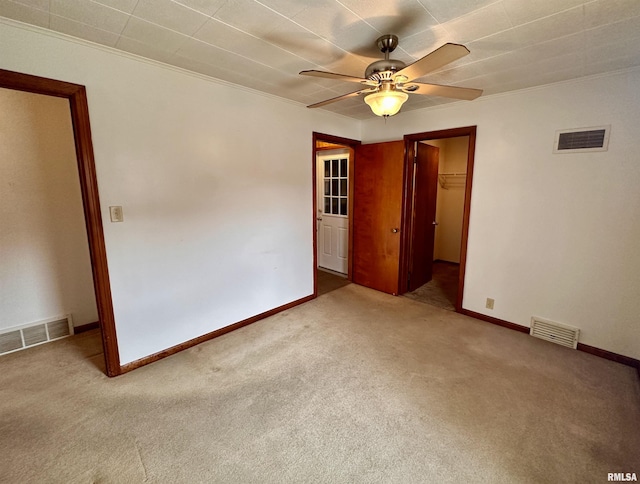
x=554, y=236
x=215, y=184
x=45, y=270
x=450, y=200
x=216, y=188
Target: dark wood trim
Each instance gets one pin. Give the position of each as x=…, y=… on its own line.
x=410, y=140
x=329, y=148
x=352, y=171
x=214, y=334
x=83, y=328
x=77, y=96
x=471, y=150
x=442, y=133
x=406, y=217
x=37, y=85
x=492, y=320
x=314, y=211
x=337, y=140
x=351, y=144
x=93, y=217
x=608, y=355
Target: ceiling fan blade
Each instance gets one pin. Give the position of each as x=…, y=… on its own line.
x=430, y=62
x=339, y=98
x=339, y=77
x=465, y=93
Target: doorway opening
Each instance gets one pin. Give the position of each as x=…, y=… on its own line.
x=436, y=212
x=76, y=96
x=333, y=168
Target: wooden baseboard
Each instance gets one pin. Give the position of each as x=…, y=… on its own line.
x=83, y=328
x=608, y=355
x=625, y=360
x=206, y=337
x=492, y=320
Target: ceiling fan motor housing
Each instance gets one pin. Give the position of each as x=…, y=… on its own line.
x=383, y=69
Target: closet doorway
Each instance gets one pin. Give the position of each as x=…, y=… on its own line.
x=436, y=213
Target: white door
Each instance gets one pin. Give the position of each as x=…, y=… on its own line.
x=333, y=207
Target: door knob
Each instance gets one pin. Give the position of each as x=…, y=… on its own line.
x=319, y=218
x=435, y=223
x=395, y=231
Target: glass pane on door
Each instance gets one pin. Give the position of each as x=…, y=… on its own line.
x=343, y=168
x=336, y=186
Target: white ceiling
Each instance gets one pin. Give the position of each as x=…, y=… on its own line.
x=263, y=44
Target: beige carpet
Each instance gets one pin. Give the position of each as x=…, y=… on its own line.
x=355, y=386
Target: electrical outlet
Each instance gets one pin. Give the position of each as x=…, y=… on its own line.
x=490, y=303
x=116, y=214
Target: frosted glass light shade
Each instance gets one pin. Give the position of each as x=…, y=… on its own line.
x=386, y=103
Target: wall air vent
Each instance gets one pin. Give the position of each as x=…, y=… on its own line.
x=33, y=334
x=555, y=332
x=582, y=140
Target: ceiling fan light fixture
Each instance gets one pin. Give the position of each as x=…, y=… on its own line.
x=386, y=103
x=386, y=80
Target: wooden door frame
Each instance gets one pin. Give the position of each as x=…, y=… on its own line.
x=77, y=96
x=410, y=140
x=352, y=144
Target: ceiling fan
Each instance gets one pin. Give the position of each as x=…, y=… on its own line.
x=389, y=82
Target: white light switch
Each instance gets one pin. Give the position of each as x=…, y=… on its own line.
x=116, y=214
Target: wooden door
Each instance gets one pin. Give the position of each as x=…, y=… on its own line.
x=333, y=207
x=377, y=213
x=423, y=223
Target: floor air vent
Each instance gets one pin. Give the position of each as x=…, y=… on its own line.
x=33, y=334
x=555, y=332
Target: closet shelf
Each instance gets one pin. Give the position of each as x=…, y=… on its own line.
x=450, y=180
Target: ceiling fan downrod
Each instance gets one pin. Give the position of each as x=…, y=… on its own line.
x=387, y=44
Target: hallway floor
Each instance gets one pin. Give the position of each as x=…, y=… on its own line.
x=328, y=281
x=442, y=290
